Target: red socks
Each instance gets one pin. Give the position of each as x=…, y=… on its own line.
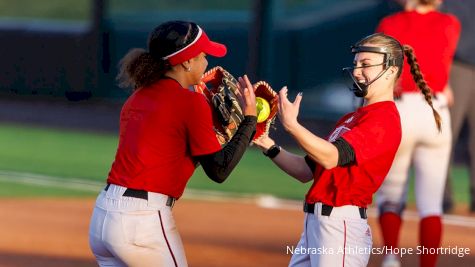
x=430, y=234
x=430, y=237
x=390, y=225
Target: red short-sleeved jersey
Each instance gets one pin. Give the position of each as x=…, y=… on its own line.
x=374, y=133
x=161, y=128
x=433, y=36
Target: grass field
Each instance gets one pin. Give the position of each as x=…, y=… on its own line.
x=46, y=9
x=88, y=156
x=81, y=10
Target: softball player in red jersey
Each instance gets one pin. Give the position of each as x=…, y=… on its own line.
x=165, y=131
x=433, y=36
x=348, y=167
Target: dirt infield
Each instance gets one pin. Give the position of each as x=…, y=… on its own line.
x=54, y=233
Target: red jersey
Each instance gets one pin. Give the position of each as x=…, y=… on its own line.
x=433, y=36
x=161, y=128
x=374, y=133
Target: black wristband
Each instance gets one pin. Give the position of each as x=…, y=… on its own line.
x=272, y=152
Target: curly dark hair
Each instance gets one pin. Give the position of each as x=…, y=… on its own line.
x=139, y=67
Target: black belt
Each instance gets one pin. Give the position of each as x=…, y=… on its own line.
x=327, y=210
x=129, y=192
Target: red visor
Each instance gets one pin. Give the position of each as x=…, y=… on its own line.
x=201, y=44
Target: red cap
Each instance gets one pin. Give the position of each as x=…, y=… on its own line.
x=201, y=44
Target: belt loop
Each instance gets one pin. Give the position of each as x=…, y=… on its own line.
x=363, y=214
x=326, y=210
x=171, y=202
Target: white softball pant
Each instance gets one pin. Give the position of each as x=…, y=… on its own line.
x=427, y=149
x=128, y=231
x=341, y=239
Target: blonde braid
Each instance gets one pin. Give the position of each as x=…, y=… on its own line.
x=421, y=83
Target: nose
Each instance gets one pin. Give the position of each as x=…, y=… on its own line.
x=356, y=72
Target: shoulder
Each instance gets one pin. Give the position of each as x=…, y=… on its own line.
x=391, y=21
x=383, y=113
x=395, y=17
x=451, y=24
x=454, y=21
x=447, y=19
x=344, y=118
x=383, y=123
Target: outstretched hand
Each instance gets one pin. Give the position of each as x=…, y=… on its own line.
x=264, y=142
x=288, y=111
x=246, y=96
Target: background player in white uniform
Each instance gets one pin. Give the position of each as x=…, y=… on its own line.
x=425, y=144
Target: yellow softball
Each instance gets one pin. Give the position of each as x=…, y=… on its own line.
x=263, y=109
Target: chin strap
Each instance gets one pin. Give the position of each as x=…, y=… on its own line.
x=361, y=89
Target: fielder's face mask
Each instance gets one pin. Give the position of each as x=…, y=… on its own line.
x=361, y=89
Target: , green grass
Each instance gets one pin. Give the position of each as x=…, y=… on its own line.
x=17, y=190
x=46, y=9
x=81, y=10
x=167, y=5
x=56, y=153
x=88, y=156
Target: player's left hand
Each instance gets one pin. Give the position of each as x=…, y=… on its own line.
x=246, y=96
x=288, y=111
x=264, y=142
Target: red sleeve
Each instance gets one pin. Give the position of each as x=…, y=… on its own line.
x=453, y=32
x=201, y=136
x=373, y=137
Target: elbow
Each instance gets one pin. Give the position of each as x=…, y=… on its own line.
x=218, y=177
x=305, y=179
x=331, y=161
x=329, y=164
x=218, y=180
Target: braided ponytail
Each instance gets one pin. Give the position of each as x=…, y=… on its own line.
x=421, y=83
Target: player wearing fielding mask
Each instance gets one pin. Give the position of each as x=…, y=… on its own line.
x=433, y=37
x=165, y=131
x=349, y=166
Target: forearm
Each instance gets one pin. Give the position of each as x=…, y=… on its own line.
x=293, y=165
x=319, y=149
x=218, y=166
x=290, y=163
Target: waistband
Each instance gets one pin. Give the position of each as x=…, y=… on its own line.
x=142, y=194
x=347, y=211
x=439, y=99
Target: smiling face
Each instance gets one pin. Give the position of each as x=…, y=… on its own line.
x=367, y=67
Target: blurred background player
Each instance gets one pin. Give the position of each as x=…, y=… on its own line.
x=433, y=36
x=349, y=166
x=462, y=79
x=165, y=131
